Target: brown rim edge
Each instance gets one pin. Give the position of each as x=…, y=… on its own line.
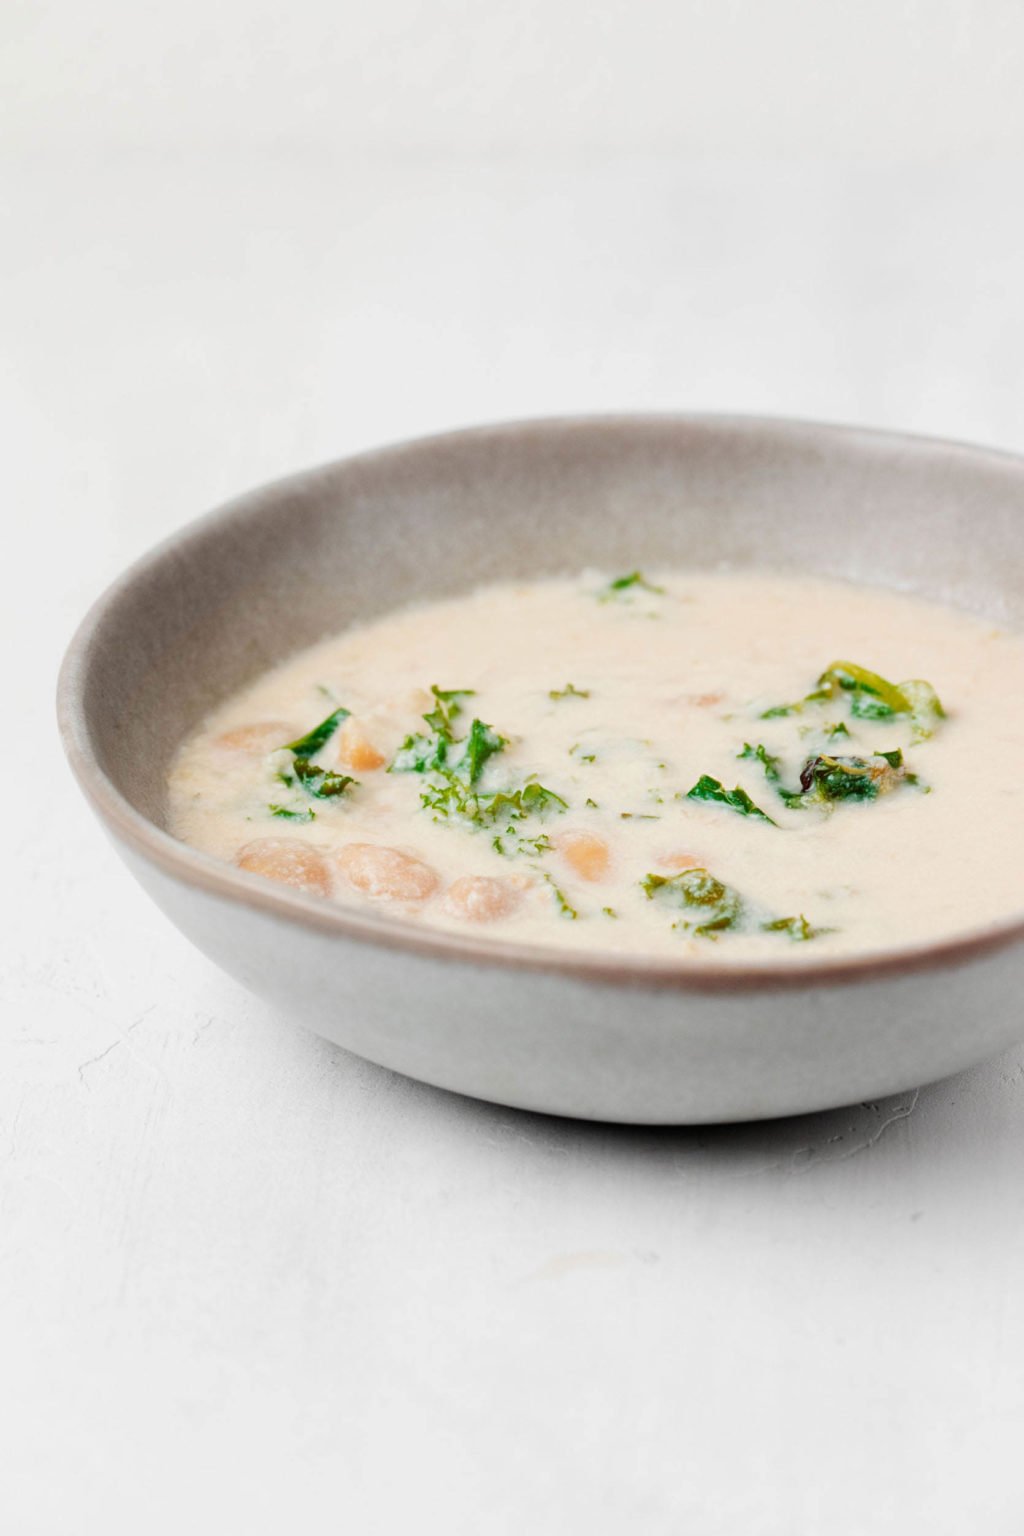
x=190, y=867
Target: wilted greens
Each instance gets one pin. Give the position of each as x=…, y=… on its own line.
x=452, y=767
x=635, y=581
x=707, y=788
x=714, y=908
x=315, y=740
x=871, y=697
x=303, y=774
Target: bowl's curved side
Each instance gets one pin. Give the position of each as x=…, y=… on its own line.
x=566, y=1044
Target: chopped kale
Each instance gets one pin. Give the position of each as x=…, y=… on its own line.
x=576, y=751
x=287, y=814
x=609, y=912
x=442, y=752
x=512, y=844
x=715, y=907
x=798, y=928
x=452, y=798
x=565, y=907
x=760, y=754
x=850, y=778
x=872, y=697
x=531, y=799
x=772, y=771
x=712, y=790
x=634, y=581
x=481, y=743
x=569, y=692
x=925, y=707
x=446, y=708
x=316, y=739
x=421, y=754
x=319, y=782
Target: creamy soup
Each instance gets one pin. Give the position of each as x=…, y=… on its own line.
x=717, y=766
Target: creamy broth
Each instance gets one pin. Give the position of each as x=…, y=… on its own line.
x=674, y=765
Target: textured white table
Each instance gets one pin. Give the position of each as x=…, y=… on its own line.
x=252, y=1284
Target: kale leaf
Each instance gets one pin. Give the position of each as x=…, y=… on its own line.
x=712, y=790
x=315, y=740
x=714, y=907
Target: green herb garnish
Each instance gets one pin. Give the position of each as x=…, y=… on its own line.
x=453, y=767
x=569, y=692
x=772, y=772
x=287, y=814
x=511, y=844
x=322, y=783
x=426, y=754
x=442, y=752
x=316, y=739
x=481, y=743
x=872, y=697
x=760, y=754
x=452, y=798
x=576, y=751
x=635, y=580
x=446, y=708
x=798, y=928
x=565, y=907
x=925, y=707
x=712, y=790
x=851, y=778
x=715, y=906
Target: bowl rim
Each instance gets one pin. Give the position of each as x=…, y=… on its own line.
x=191, y=867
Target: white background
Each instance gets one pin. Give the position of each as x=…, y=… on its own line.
x=251, y=1284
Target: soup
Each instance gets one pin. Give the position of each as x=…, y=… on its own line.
x=713, y=766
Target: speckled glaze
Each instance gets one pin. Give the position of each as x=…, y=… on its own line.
x=644, y=1041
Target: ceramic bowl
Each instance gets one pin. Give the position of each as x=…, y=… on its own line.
x=619, y=1039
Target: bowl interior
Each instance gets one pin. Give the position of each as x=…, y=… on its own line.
x=287, y=565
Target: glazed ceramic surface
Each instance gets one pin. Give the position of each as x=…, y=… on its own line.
x=635, y=1040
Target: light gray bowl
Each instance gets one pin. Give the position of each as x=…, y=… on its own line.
x=630, y=1040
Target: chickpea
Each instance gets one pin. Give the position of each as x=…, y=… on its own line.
x=254, y=740
x=586, y=852
x=356, y=750
x=385, y=873
x=287, y=861
x=481, y=899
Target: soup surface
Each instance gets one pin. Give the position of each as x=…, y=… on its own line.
x=717, y=766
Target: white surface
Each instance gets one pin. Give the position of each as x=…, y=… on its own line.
x=881, y=79
x=252, y=1284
